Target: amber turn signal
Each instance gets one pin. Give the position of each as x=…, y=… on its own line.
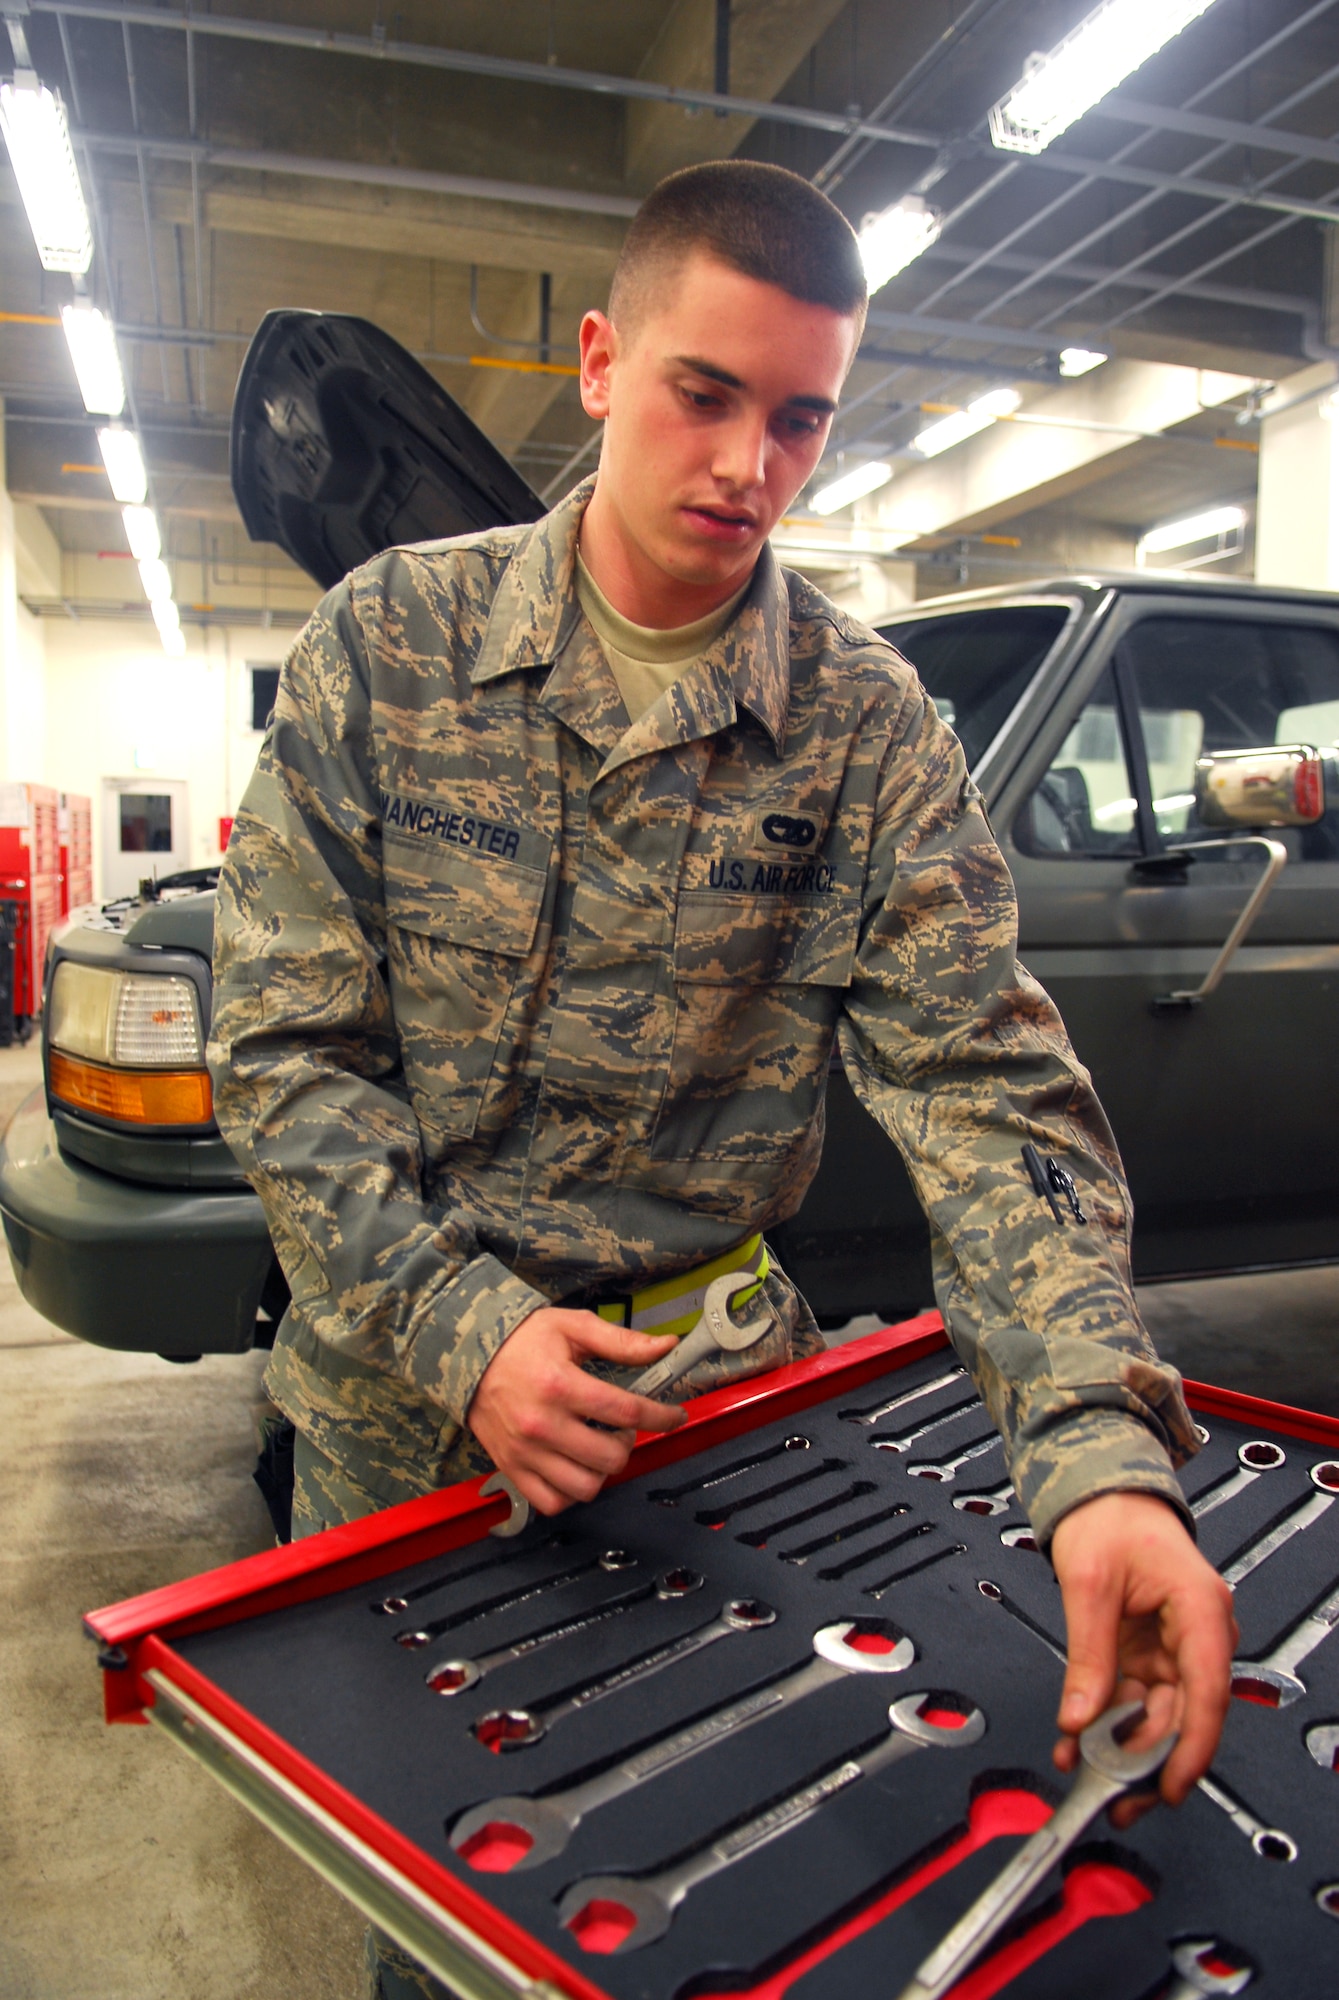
x=136, y=1097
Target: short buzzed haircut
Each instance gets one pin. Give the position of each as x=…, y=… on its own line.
x=763, y=221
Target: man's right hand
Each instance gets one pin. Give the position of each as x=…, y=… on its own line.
x=533, y=1410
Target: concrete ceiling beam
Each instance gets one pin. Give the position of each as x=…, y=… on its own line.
x=508, y=406
x=769, y=39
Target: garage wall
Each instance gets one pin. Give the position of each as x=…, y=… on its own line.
x=117, y=706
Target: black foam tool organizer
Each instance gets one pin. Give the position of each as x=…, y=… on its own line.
x=809, y=1516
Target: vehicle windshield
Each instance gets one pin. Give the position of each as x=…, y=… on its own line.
x=976, y=664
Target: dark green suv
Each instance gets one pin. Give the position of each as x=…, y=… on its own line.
x=1160, y=758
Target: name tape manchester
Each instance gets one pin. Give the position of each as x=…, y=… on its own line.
x=485, y=836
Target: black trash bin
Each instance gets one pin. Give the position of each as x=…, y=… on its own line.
x=10, y=914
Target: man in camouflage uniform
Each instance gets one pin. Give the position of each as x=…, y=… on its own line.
x=525, y=1000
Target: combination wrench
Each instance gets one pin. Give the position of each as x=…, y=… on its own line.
x=549, y=1819
x=989, y=1501
x=717, y=1516
x=872, y=1413
x=1205, y=1966
x=1274, y=1681
x=1325, y=1477
x=670, y=1496
x=452, y=1677
x=390, y=1607
x=943, y=1470
x=715, y=1333
x=1270, y=1843
x=1257, y=1455
x=517, y=1728
x=902, y=1441
x=643, y=1906
x=1108, y=1769
x=606, y=1559
x=1322, y=1742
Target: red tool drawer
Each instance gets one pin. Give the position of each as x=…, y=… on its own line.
x=767, y=1716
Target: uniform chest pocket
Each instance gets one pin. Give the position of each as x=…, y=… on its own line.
x=460, y=929
x=758, y=982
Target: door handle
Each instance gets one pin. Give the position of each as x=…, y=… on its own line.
x=1276, y=860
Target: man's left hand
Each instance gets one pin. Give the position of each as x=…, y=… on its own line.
x=1146, y=1616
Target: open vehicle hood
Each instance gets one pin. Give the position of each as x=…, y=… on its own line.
x=343, y=445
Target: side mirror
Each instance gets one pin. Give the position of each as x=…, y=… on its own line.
x=1273, y=787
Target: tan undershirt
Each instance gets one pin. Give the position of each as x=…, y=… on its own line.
x=644, y=660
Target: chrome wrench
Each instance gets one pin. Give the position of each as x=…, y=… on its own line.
x=670, y=1496
x=650, y=1901
x=989, y=1501
x=715, y=1333
x=1257, y=1455
x=517, y=1728
x=717, y=1516
x=1018, y=1538
x=945, y=1469
x=1108, y=1769
x=1325, y=1477
x=877, y=1411
x=902, y=1441
x=1203, y=1966
x=1322, y=1742
x=606, y=1559
x=1274, y=1681
x=1269, y=1842
x=550, y=1819
x=452, y=1677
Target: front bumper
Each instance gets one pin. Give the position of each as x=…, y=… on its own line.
x=155, y=1270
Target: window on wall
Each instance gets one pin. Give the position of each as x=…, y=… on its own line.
x=264, y=693
x=146, y=822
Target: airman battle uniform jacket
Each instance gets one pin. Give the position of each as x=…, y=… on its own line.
x=516, y=1003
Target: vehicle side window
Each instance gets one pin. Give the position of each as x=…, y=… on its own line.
x=1085, y=805
x=1206, y=684
x=976, y=665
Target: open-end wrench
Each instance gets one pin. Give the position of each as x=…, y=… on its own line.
x=1257, y=1455
x=902, y=1441
x=943, y=1470
x=1273, y=1681
x=1205, y=1966
x=758, y=1538
x=517, y=1728
x=1325, y=1477
x=1322, y=1742
x=873, y=1412
x=855, y=1646
x=1108, y=1769
x=648, y=1902
x=1269, y=1842
x=670, y=1496
x=451, y=1677
x=606, y=1559
x=989, y=1500
x=715, y=1333
x=1019, y=1538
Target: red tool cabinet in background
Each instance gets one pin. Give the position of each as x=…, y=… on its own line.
x=75, y=820
x=334, y=1688
x=30, y=876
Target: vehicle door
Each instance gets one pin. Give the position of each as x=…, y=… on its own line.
x=1225, y=1111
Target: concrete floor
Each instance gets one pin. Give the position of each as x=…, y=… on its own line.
x=128, y=1874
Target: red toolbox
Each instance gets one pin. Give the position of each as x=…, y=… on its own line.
x=662, y=1746
x=30, y=876
x=75, y=822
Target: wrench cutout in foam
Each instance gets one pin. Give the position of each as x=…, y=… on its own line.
x=520, y=1832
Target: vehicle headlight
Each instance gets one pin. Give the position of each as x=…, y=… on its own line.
x=127, y=1045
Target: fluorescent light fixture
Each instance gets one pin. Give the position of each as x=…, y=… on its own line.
x=1080, y=360
x=141, y=526
x=853, y=485
x=125, y=464
x=1107, y=46
x=92, y=345
x=174, y=642
x=157, y=581
x=978, y=416
x=894, y=238
x=1193, y=528
x=33, y=122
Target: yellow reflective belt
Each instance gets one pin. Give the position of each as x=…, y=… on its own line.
x=675, y=1304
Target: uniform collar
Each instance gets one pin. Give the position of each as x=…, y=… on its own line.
x=533, y=614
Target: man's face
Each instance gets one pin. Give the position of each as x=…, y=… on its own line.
x=717, y=405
